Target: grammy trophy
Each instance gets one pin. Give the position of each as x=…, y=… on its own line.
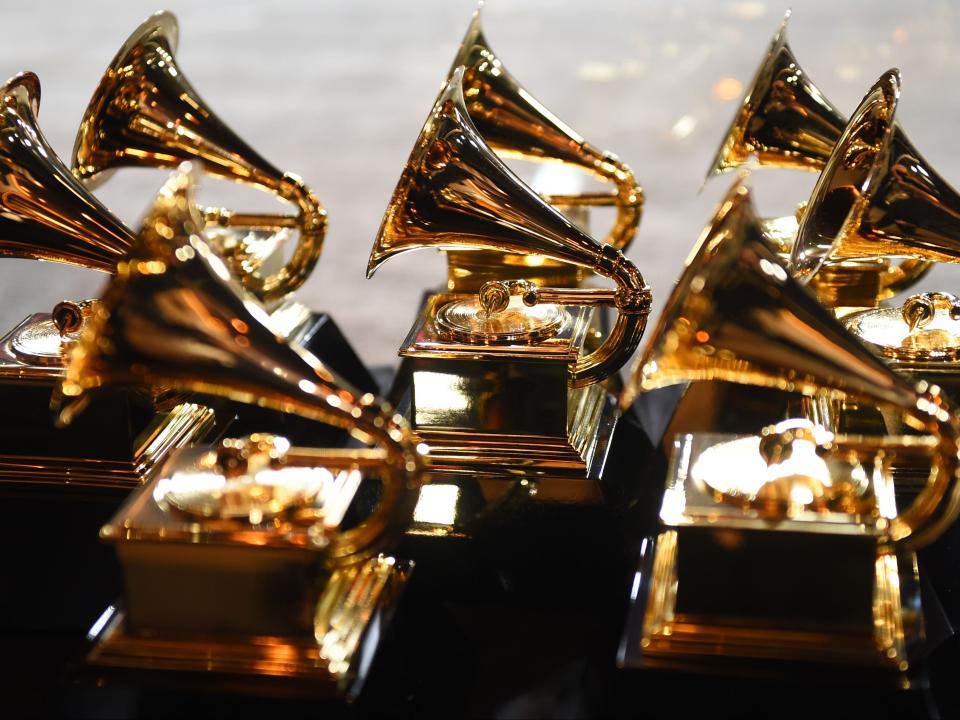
x=783, y=550
x=785, y=121
x=878, y=197
x=145, y=113
x=279, y=591
x=46, y=214
x=515, y=125
x=501, y=385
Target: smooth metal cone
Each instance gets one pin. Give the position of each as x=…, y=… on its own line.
x=456, y=194
x=783, y=121
x=515, y=124
x=172, y=317
x=45, y=213
x=146, y=113
x=737, y=315
x=877, y=196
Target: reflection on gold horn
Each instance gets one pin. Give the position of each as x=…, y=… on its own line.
x=784, y=120
x=877, y=195
x=45, y=213
x=173, y=317
x=514, y=124
x=145, y=112
x=455, y=193
x=738, y=316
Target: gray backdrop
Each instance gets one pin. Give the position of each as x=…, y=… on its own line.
x=337, y=91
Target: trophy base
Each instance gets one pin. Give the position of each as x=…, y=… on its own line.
x=115, y=443
x=352, y=613
x=503, y=412
x=183, y=425
x=699, y=604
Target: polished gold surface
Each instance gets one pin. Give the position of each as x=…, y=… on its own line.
x=468, y=321
x=505, y=411
x=738, y=316
x=45, y=213
x=785, y=472
x=877, y=196
x=257, y=478
x=785, y=121
x=172, y=317
x=455, y=193
x=146, y=113
x=842, y=498
x=180, y=426
x=515, y=125
x=324, y=663
x=935, y=345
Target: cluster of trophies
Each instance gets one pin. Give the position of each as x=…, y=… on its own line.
x=196, y=357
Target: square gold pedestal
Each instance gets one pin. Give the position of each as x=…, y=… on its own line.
x=245, y=602
x=114, y=443
x=505, y=411
x=354, y=609
x=723, y=590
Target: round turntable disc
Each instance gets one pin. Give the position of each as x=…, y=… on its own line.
x=466, y=321
x=885, y=330
x=257, y=498
x=40, y=343
x=736, y=472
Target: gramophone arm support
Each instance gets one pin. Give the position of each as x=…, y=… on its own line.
x=919, y=310
x=628, y=198
x=938, y=504
x=632, y=298
x=311, y=222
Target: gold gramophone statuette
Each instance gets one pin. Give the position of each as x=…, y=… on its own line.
x=772, y=550
x=515, y=125
x=503, y=384
x=46, y=214
x=784, y=121
x=278, y=589
x=145, y=113
x=815, y=511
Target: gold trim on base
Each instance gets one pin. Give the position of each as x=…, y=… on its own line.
x=346, y=627
x=671, y=639
x=185, y=424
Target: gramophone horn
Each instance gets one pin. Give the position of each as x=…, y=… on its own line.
x=877, y=195
x=783, y=120
x=45, y=213
x=455, y=193
x=145, y=112
x=514, y=124
x=172, y=317
x=738, y=316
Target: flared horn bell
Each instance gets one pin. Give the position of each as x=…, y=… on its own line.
x=877, y=196
x=172, y=317
x=783, y=120
x=514, y=124
x=45, y=213
x=456, y=194
x=146, y=113
x=737, y=315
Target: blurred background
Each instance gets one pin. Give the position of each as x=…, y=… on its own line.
x=337, y=92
